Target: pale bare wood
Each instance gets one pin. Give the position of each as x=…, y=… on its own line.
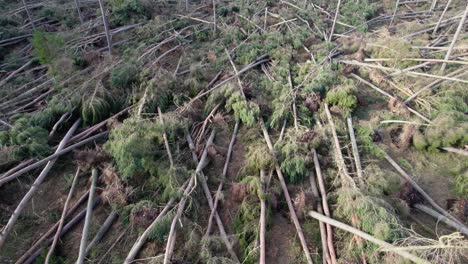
x=334, y=20
x=62, y=217
x=263, y=209
x=455, y=38
x=292, y=212
x=354, y=147
x=88, y=218
x=24, y=201
x=106, y=25
x=166, y=142
x=440, y=217
x=441, y=17
x=326, y=209
x=366, y=236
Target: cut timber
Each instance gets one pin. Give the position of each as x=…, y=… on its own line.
x=223, y=178
x=442, y=218
x=326, y=209
x=57, y=154
x=166, y=142
x=19, y=209
x=292, y=212
x=419, y=189
x=366, y=236
x=62, y=218
x=89, y=215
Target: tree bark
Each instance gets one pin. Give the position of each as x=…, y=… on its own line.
x=442, y=218
x=455, y=37
x=102, y=230
x=77, y=4
x=263, y=209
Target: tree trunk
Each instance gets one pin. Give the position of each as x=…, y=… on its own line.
x=77, y=4
x=62, y=218
x=442, y=218
x=102, y=231
x=454, y=40
x=19, y=209
x=366, y=236
x=54, y=156
x=106, y=25
x=28, y=12
x=89, y=215
x=263, y=209
x=287, y=196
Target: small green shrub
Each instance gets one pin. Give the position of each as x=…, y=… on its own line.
x=126, y=12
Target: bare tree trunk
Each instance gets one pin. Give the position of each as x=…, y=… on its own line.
x=208, y=196
x=106, y=26
x=65, y=229
x=292, y=212
x=354, y=148
x=366, y=236
x=77, y=4
x=142, y=239
x=326, y=209
x=334, y=20
x=51, y=157
x=441, y=17
x=102, y=231
x=223, y=178
x=214, y=17
x=28, y=12
x=56, y=125
x=62, y=218
x=166, y=142
x=395, y=11
x=442, y=218
x=323, y=231
x=89, y=215
x=19, y=209
x=263, y=209
x=39, y=242
x=11, y=75
x=455, y=37
x=419, y=189
x=339, y=156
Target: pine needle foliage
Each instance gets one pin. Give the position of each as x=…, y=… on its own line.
x=161, y=230
x=25, y=140
x=124, y=75
x=343, y=97
x=46, y=46
x=246, y=227
x=137, y=145
x=294, y=153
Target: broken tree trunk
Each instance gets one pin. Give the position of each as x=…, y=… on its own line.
x=57, y=154
x=4, y=81
x=77, y=4
x=454, y=40
x=30, y=16
x=323, y=231
x=334, y=20
x=39, y=242
x=326, y=209
x=354, y=148
x=201, y=164
x=62, y=218
x=89, y=215
x=292, y=212
x=66, y=228
x=419, y=189
x=102, y=230
x=366, y=236
x=166, y=142
x=142, y=239
x=339, y=156
x=223, y=178
x=263, y=209
x=441, y=17
x=106, y=25
x=19, y=209
x=442, y=218
x=209, y=198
